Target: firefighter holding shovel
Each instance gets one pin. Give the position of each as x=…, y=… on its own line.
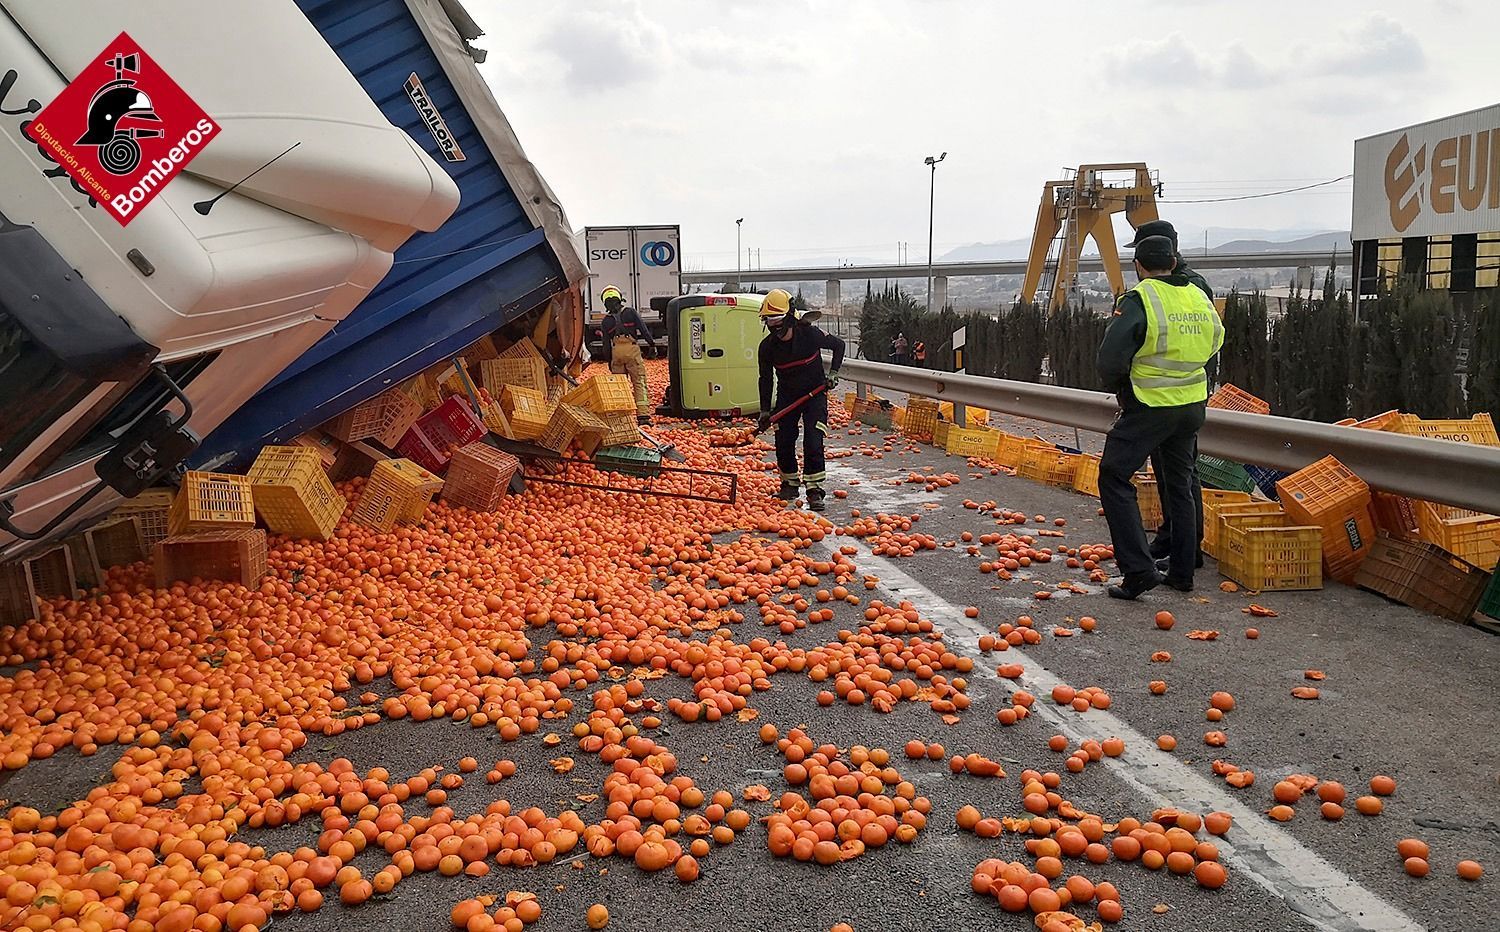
x=791, y=359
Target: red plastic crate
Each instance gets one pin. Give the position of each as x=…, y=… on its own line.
x=432, y=439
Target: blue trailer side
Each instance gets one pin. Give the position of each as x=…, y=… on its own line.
x=489, y=264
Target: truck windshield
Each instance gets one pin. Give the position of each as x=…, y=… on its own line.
x=35, y=389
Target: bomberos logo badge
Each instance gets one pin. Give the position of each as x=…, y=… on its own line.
x=123, y=129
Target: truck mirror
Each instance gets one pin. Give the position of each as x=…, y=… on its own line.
x=659, y=304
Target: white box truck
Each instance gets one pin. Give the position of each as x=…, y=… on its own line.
x=644, y=262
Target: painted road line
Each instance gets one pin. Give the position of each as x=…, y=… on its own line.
x=1311, y=886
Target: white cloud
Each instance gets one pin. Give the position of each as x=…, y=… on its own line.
x=1378, y=45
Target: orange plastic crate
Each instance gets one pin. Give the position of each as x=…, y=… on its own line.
x=211, y=501
x=1327, y=494
x=1086, y=480
x=1233, y=398
x=1390, y=421
x=1395, y=515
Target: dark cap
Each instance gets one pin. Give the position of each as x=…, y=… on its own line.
x=1155, y=253
x=1155, y=228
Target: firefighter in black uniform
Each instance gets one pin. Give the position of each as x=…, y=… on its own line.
x=792, y=356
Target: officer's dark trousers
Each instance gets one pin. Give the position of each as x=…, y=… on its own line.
x=813, y=418
x=1162, y=545
x=1137, y=432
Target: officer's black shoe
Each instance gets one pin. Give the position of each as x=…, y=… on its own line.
x=1181, y=585
x=815, y=499
x=1161, y=549
x=1132, y=588
x=1163, y=562
x=788, y=491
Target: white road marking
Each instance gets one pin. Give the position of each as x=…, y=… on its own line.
x=1311, y=886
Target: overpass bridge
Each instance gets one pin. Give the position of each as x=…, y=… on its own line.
x=834, y=276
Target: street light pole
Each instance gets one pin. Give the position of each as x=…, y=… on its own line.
x=737, y=250
x=932, y=163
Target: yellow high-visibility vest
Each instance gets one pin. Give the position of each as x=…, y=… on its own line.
x=1183, y=332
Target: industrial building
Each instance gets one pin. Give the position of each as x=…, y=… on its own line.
x=1427, y=206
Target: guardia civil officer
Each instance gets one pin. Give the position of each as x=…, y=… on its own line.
x=1153, y=357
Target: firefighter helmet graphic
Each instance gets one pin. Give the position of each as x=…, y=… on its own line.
x=113, y=104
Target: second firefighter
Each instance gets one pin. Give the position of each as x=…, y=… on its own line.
x=791, y=360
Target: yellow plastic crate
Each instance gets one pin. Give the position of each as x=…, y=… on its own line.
x=292, y=493
x=520, y=371
x=623, y=430
x=1469, y=535
x=1213, y=500
x=1477, y=429
x=968, y=441
x=604, y=394
x=976, y=417
x=527, y=411
x=1086, y=480
x=1273, y=557
x=1231, y=549
x=1009, y=449
x=150, y=509
x=1049, y=466
x=571, y=424
x=212, y=501
x=397, y=490
x=940, y=434
x=1148, y=495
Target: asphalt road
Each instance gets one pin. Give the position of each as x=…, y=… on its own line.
x=1405, y=695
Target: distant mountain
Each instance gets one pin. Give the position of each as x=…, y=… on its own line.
x=1333, y=240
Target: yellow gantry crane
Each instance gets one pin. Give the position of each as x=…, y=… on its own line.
x=1076, y=208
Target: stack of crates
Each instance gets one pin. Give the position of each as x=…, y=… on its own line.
x=231, y=555
x=519, y=364
x=1232, y=398
x=435, y=435
x=572, y=425
x=116, y=542
x=1424, y=576
x=384, y=419
x=211, y=501
x=478, y=477
x=293, y=495
x=1213, y=500
x=150, y=510
x=921, y=419
x=1328, y=495
x=25, y=584
x=397, y=491
x=1086, y=479
x=1261, y=551
x=1048, y=465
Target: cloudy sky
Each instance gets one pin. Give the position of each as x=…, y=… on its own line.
x=810, y=118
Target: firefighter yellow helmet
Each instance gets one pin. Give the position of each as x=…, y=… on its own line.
x=610, y=291
x=776, y=305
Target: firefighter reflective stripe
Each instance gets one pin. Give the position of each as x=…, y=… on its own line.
x=815, y=479
x=799, y=362
x=1183, y=332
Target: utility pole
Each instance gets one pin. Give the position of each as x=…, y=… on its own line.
x=737, y=269
x=932, y=163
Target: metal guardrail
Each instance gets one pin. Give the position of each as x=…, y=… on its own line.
x=1317, y=259
x=1462, y=474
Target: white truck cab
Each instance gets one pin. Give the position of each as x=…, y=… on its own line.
x=120, y=346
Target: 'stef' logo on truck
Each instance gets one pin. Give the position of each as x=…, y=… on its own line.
x=123, y=129
x=658, y=253
x=436, y=125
